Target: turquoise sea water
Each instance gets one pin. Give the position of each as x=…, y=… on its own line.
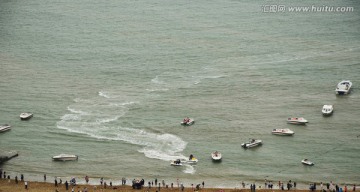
x=110, y=81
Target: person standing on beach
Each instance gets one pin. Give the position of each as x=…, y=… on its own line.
x=66, y=185
x=86, y=179
x=56, y=183
x=16, y=179
x=26, y=185
x=155, y=181
x=44, y=177
x=203, y=184
x=0, y=173
x=21, y=177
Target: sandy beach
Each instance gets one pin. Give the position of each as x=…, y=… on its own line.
x=10, y=186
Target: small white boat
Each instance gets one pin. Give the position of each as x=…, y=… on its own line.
x=187, y=121
x=297, y=120
x=25, y=116
x=282, y=132
x=176, y=162
x=5, y=127
x=343, y=88
x=192, y=160
x=65, y=157
x=327, y=109
x=307, y=162
x=252, y=143
x=216, y=156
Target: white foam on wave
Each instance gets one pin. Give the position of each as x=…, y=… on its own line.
x=156, y=80
x=189, y=169
x=76, y=111
x=104, y=94
x=71, y=117
x=157, y=89
x=107, y=120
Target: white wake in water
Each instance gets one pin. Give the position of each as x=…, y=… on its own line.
x=102, y=120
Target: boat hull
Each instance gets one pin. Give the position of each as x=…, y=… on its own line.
x=5, y=127
x=309, y=163
x=26, y=116
x=283, y=132
x=251, y=144
x=65, y=158
x=327, y=113
x=191, y=122
x=297, y=121
x=327, y=110
x=216, y=156
x=176, y=164
x=343, y=88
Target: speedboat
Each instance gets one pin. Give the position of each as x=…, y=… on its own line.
x=307, y=162
x=343, y=87
x=251, y=143
x=176, y=162
x=282, y=132
x=297, y=120
x=216, y=156
x=25, y=116
x=327, y=109
x=65, y=157
x=187, y=121
x=4, y=127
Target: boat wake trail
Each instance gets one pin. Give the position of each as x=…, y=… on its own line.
x=100, y=118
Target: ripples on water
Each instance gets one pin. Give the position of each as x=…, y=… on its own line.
x=111, y=82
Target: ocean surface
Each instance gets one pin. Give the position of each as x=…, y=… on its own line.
x=111, y=81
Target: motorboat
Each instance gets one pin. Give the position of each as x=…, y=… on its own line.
x=307, y=162
x=187, y=121
x=192, y=160
x=251, y=143
x=25, y=116
x=176, y=162
x=343, y=87
x=65, y=157
x=282, y=132
x=4, y=127
x=327, y=109
x=216, y=156
x=297, y=120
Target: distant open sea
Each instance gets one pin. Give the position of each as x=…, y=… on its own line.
x=111, y=81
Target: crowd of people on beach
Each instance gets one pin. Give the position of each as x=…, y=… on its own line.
x=140, y=184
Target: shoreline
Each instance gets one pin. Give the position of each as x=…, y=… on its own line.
x=36, y=186
x=8, y=185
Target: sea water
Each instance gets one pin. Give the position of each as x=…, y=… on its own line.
x=111, y=81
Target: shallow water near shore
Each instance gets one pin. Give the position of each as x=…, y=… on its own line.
x=111, y=82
